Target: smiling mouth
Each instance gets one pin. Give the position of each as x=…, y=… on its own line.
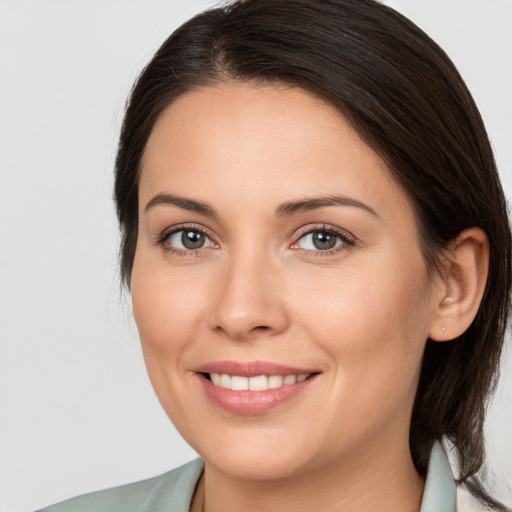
x=255, y=387
x=256, y=383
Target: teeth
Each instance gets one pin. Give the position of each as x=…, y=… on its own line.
x=225, y=381
x=275, y=381
x=259, y=383
x=289, y=379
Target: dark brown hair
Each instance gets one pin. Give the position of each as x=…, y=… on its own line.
x=407, y=101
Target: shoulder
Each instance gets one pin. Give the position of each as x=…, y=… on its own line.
x=170, y=492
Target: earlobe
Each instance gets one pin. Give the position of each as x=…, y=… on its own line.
x=463, y=285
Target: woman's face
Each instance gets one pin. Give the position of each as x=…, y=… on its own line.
x=273, y=244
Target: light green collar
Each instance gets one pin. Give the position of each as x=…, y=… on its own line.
x=440, y=493
x=173, y=491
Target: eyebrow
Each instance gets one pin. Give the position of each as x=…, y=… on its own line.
x=304, y=205
x=284, y=210
x=181, y=202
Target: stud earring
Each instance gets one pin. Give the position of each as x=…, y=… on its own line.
x=443, y=329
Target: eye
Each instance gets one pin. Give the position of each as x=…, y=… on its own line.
x=319, y=240
x=322, y=240
x=188, y=239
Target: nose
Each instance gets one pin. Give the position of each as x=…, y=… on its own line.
x=249, y=301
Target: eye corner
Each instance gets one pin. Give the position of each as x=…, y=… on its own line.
x=334, y=240
x=173, y=240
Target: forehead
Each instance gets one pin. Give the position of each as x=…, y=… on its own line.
x=271, y=142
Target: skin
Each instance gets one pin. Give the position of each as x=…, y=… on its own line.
x=258, y=290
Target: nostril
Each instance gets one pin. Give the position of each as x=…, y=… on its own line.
x=261, y=328
x=243, y=318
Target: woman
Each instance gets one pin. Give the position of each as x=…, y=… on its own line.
x=318, y=252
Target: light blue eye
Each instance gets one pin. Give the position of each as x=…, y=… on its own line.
x=320, y=241
x=189, y=240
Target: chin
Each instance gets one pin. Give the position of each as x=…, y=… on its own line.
x=263, y=466
x=257, y=455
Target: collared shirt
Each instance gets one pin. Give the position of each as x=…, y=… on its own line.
x=440, y=494
x=173, y=491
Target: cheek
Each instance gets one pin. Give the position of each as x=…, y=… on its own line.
x=166, y=309
x=373, y=322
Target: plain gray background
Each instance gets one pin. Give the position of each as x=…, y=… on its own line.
x=77, y=411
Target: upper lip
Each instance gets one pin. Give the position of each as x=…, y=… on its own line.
x=251, y=368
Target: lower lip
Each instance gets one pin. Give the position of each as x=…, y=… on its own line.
x=253, y=402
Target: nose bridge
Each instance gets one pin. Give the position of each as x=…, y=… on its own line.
x=249, y=298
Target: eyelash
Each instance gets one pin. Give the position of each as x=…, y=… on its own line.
x=164, y=237
x=347, y=240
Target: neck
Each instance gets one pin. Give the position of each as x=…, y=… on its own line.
x=380, y=478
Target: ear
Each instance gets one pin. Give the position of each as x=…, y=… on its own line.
x=462, y=285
